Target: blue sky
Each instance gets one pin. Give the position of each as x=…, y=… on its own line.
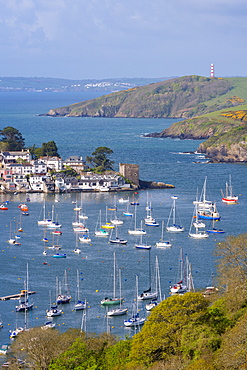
x=81, y=39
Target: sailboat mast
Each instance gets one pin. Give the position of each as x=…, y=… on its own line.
x=114, y=276
x=149, y=268
x=174, y=215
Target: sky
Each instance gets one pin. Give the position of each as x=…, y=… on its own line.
x=97, y=39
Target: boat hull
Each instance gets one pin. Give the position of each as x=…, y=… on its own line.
x=111, y=301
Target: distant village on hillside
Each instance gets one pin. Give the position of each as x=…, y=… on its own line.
x=20, y=173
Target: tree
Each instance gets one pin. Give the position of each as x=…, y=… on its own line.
x=100, y=160
x=160, y=338
x=85, y=353
x=42, y=346
x=13, y=138
x=50, y=149
x=233, y=354
x=232, y=270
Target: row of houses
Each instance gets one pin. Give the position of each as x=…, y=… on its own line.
x=19, y=172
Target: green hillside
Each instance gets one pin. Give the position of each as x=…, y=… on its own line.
x=213, y=109
x=183, y=97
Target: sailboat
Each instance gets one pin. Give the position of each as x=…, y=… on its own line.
x=181, y=286
x=76, y=250
x=85, y=239
x=45, y=240
x=142, y=245
x=127, y=212
x=135, y=319
x=136, y=231
x=48, y=325
x=123, y=200
x=114, y=299
x=53, y=224
x=173, y=227
x=163, y=243
x=77, y=222
x=82, y=215
x=107, y=224
x=213, y=229
x=148, y=294
x=66, y=297
x=228, y=197
x=11, y=239
x=196, y=225
x=116, y=220
x=98, y=230
x=117, y=240
x=54, y=310
x=154, y=302
x=121, y=310
x=203, y=203
x=150, y=220
x=24, y=304
x=44, y=221
x=80, y=305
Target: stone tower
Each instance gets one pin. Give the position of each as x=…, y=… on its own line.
x=130, y=172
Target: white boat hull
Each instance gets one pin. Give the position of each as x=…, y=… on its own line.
x=163, y=245
x=117, y=312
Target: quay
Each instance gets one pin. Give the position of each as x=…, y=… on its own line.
x=16, y=296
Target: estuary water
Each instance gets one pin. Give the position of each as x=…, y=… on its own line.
x=164, y=160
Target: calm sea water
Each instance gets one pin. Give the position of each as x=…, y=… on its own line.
x=159, y=160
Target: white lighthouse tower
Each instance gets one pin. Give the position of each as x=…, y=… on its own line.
x=212, y=70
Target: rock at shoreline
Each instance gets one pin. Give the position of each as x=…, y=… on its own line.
x=155, y=185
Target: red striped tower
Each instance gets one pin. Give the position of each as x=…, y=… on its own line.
x=212, y=70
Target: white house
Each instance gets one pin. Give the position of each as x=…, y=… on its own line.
x=53, y=163
x=13, y=157
x=75, y=162
x=21, y=168
x=39, y=166
x=37, y=182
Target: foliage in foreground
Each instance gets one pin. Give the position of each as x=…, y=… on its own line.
x=184, y=332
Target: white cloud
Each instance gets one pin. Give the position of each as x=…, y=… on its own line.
x=92, y=31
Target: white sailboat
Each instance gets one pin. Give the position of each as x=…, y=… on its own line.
x=24, y=304
x=149, y=219
x=141, y=244
x=172, y=226
x=149, y=294
x=229, y=197
x=63, y=297
x=135, y=319
x=136, y=231
x=53, y=310
x=98, y=230
x=116, y=221
x=196, y=225
x=163, y=243
x=80, y=305
x=203, y=203
x=82, y=215
x=121, y=310
x=11, y=240
x=155, y=301
x=180, y=287
x=117, y=240
x=114, y=300
x=76, y=250
x=44, y=221
x=53, y=224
